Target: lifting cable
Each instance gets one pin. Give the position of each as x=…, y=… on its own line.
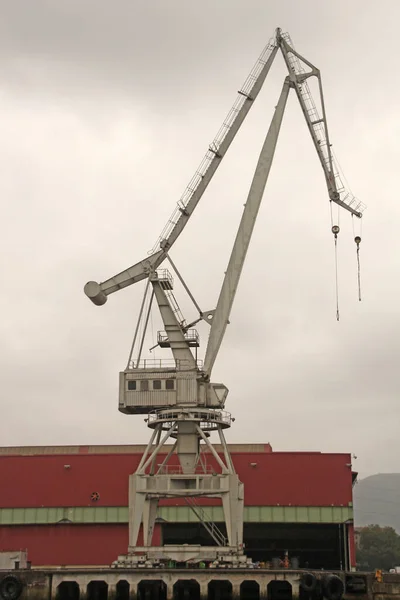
x=153, y=339
x=335, y=231
x=145, y=325
x=357, y=239
x=128, y=366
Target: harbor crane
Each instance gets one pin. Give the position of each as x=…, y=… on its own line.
x=180, y=400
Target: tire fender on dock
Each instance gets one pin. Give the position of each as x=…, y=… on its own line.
x=10, y=587
x=308, y=582
x=333, y=587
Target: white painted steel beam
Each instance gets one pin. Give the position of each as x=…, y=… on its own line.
x=243, y=236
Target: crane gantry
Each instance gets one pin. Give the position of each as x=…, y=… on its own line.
x=178, y=396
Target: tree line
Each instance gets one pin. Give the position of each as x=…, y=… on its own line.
x=378, y=548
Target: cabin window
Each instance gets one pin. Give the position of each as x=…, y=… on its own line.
x=157, y=384
x=169, y=384
x=131, y=385
x=144, y=385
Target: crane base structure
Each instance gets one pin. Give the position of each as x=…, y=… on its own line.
x=193, y=477
x=190, y=554
x=177, y=395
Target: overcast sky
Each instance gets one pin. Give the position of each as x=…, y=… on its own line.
x=107, y=109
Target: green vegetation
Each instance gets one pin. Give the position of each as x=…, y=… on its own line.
x=379, y=548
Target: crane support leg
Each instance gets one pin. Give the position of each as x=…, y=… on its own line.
x=233, y=506
x=242, y=241
x=149, y=519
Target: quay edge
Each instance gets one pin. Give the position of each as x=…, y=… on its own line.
x=183, y=583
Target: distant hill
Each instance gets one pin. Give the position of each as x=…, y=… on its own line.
x=377, y=501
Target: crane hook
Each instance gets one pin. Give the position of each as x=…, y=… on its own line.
x=335, y=231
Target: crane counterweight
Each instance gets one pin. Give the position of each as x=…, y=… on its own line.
x=93, y=291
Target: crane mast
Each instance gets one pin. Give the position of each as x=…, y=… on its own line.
x=178, y=396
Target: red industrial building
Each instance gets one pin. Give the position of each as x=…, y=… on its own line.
x=68, y=506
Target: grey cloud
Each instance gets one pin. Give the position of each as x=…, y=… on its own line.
x=107, y=109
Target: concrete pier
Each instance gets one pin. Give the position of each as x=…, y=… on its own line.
x=184, y=584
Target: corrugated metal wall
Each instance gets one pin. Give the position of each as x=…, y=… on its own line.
x=69, y=544
x=296, y=479
x=276, y=484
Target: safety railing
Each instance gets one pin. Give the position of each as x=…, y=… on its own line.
x=164, y=363
x=191, y=335
x=163, y=275
x=203, y=417
x=177, y=470
x=207, y=522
